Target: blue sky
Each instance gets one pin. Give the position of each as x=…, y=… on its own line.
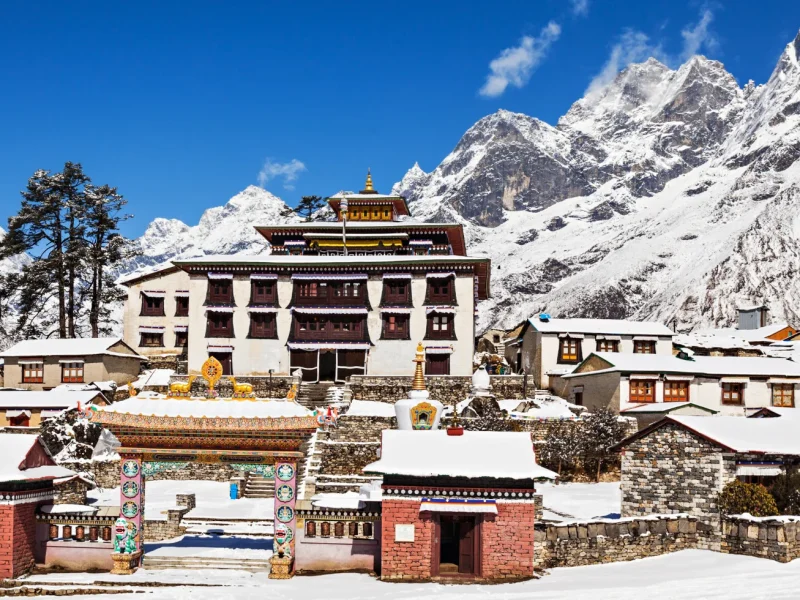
x=182, y=105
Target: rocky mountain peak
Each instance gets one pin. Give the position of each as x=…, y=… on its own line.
x=414, y=178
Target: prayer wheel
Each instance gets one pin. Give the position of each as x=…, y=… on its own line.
x=94, y=530
x=66, y=532
x=352, y=529
x=53, y=531
x=311, y=529
x=367, y=529
x=106, y=531
x=80, y=533
x=326, y=529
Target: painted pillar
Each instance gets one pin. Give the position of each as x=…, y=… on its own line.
x=131, y=495
x=285, y=497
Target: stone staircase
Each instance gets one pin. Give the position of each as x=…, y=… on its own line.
x=258, y=486
x=314, y=395
x=201, y=563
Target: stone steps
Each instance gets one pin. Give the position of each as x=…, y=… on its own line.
x=258, y=486
x=253, y=565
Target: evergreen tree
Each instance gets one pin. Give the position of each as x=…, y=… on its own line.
x=307, y=206
x=603, y=429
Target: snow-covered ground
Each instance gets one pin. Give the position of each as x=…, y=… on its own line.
x=213, y=500
x=580, y=500
x=688, y=575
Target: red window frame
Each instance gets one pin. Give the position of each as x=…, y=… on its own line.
x=219, y=325
x=181, y=306
x=676, y=391
x=33, y=372
x=396, y=327
x=263, y=326
x=72, y=372
x=732, y=393
x=152, y=306
x=642, y=391
x=644, y=347
x=440, y=326
x=220, y=291
x=263, y=292
x=151, y=340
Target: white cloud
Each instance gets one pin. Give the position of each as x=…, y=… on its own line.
x=699, y=36
x=514, y=66
x=580, y=7
x=633, y=46
x=290, y=171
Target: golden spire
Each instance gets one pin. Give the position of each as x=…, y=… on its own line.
x=419, y=377
x=368, y=189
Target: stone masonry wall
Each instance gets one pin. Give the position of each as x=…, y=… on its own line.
x=595, y=542
x=346, y=458
x=671, y=470
x=445, y=388
x=776, y=538
x=165, y=529
x=106, y=473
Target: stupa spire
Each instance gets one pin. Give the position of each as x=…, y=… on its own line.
x=368, y=188
x=419, y=376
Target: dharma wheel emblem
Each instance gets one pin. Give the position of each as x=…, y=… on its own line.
x=211, y=372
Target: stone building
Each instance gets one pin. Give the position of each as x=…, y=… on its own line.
x=332, y=299
x=725, y=385
x=458, y=506
x=681, y=464
x=551, y=347
x=47, y=363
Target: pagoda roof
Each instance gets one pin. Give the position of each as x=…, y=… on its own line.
x=454, y=231
x=398, y=202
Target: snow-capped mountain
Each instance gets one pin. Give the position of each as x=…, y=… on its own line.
x=14, y=263
x=224, y=229
x=670, y=194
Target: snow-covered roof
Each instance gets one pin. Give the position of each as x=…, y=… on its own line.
x=736, y=434
x=717, y=366
x=210, y=409
x=729, y=337
x=66, y=347
x=15, y=450
x=370, y=408
x=52, y=399
x=495, y=454
x=154, y=378
x=600, y=326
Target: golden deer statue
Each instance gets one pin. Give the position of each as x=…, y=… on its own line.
x=180, y=388
x=241, y=389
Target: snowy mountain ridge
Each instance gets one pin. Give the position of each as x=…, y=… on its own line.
x=670, y=194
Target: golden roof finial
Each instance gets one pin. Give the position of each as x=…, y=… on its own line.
x=368, y=189
x=419, y=377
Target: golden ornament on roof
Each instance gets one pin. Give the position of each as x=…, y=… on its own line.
x=368, y=189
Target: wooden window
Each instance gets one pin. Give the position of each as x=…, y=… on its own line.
x=783, y=395
x=437, y=364
x=20, y=421
x=219, y=324
x=263, y=292
x=607, y=346
x=643, y=390
x=396, y=292
x=152, y=307
x=151, y=340
x=440, y=290
x=220, y=291
x=733, y=393
x=440, y=327
x=33, y=372
x=263, y=326
x=676, y=391
x=569, y=350
x=324, y=327
x=181, y=306
x=72, y=372
x=181, y=339
x=578, y=398
x=644, y=347
x=395, y=327
x=310, y=289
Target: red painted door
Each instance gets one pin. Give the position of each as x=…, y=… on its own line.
x=466, y=553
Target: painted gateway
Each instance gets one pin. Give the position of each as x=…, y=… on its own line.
x=332, y=299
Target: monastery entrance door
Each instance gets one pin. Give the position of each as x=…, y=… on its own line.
x=327, y=365
x=458, y=545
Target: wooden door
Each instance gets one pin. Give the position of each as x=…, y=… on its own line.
x=466, y=550
x=226, y=360
x=306, y=361
x=437, y=364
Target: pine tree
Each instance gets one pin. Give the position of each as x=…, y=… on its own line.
x=38, y=229
x=602, y=430
x=105, y=250
x=307, y=206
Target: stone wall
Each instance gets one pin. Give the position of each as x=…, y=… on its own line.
x=346, y=458
x=776, y=538
x=72, y=491
x=577, y=543
x=277, y=386
x=672, y=470
x=447, y=389
x=165, y=529
x=360, y=429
